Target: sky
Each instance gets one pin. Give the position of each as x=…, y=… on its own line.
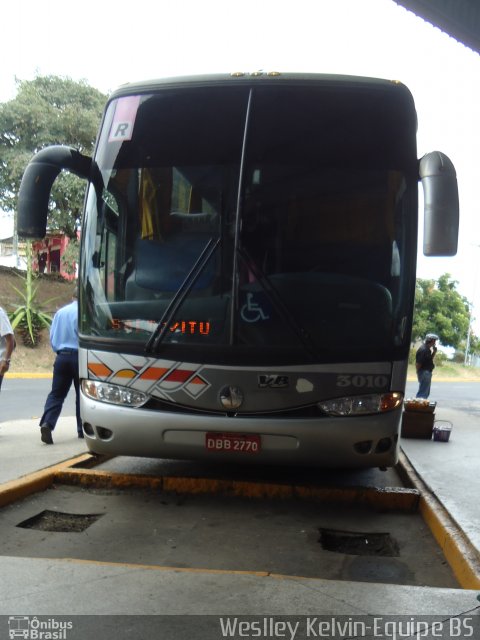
x=110, y=42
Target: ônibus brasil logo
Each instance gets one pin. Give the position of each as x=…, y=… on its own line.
x=31, y=628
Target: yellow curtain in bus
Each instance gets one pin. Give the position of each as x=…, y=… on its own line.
x=155, y=198
x=148, y=207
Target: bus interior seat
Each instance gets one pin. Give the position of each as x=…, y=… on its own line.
x=343, y=309
x=371, y=262
x=160, y=267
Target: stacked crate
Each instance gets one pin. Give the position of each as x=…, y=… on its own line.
x=418, y=419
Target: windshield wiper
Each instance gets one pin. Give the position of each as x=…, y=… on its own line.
x=176, y=302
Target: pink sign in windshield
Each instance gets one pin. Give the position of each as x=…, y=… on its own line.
x=124, y=119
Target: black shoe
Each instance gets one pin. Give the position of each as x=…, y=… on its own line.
x=46, y=432
x=80, y=434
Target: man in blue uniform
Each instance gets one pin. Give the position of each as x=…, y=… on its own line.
x=424, y=364
x=64, y=341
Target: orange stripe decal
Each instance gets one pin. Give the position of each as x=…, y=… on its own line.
x=153, y=373
x=99, y=369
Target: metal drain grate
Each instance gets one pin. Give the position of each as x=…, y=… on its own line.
x=358, y=543
x=60, y=522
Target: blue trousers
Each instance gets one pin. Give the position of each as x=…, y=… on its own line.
x=425, y=380
x=65, y=371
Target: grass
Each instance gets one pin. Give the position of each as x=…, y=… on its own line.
x=450, y=371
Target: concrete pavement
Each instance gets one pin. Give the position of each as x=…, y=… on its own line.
x=22, y=452
x=45, y=586
x=451, y=470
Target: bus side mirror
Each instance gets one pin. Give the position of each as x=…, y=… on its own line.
x=37, y=182
x=441, y=215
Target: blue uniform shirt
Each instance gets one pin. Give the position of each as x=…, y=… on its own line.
x=64, y=329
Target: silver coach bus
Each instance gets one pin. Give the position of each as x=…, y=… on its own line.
x=248, y=266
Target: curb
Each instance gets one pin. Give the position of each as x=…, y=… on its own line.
x=461, y=555
x=14, y=490
x=78, y=471
x=457, y=549
x=28, y=376
x=389, y=498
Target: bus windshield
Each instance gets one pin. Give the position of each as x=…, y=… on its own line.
x=265, y=224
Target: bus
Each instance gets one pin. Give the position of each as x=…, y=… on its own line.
x=248, y=264
x=18, y=627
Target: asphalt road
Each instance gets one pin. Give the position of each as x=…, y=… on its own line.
x=20, y=399
x=461, y=396
x=25, y=398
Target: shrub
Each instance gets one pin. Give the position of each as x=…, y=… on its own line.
x=28, y=317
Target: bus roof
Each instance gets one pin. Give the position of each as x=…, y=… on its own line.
x=259, y=77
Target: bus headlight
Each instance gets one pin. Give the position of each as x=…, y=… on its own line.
x=362, y=405
x=113, y=393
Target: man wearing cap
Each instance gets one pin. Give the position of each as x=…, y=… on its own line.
x=424, y=364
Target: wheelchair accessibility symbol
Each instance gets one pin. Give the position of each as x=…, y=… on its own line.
x=252, y=311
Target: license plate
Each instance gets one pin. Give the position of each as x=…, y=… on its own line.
x=233, y=442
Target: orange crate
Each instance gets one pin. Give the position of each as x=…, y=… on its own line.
x=419, y=405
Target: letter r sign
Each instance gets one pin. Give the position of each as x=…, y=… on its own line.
x=124, y=119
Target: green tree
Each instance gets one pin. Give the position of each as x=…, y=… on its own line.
x=71, y=256
x=48, y=110
x=440, y=309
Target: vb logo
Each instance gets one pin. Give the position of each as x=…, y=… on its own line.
x=272, y=381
